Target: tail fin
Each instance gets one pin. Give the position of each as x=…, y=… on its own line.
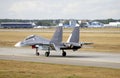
x=74, y=36
x=57, y=37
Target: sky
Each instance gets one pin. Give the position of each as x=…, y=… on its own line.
x=59, y=9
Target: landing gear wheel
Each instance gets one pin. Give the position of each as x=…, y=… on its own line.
x=37, y=53
x=47, y=54
x=64, y=54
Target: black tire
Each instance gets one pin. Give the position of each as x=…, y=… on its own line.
x=64, y=54
x=37, y=53
x=47, y=54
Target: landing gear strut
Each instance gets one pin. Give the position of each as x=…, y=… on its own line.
x=63, y=53
x=37, y=53
x=48, y=52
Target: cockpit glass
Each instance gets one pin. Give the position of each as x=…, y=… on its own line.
x=29, y=37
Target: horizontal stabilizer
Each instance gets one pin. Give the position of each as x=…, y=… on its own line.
x=86, y=43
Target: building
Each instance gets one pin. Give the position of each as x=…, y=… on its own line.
x=92, y=24
x=117, y=24
x=17, y=25
x=68, y=23
x=112, y=24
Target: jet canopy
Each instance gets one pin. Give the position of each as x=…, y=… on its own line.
x=30, y=37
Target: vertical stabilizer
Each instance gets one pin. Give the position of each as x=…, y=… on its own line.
x=57, y=37
x=74, y=36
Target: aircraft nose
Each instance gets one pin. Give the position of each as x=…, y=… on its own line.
x=18, y=44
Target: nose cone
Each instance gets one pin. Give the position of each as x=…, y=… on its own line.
x=19, y=44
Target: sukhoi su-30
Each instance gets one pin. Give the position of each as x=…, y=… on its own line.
x=55, y=43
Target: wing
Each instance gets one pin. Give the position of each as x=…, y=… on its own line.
x=49, y=46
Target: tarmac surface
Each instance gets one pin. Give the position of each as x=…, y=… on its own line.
x=80, y=58
x=52, y=31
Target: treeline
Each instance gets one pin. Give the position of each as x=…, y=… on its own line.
x=55, y=22
x=106, y=21
x=14, y=20
x=47, y=22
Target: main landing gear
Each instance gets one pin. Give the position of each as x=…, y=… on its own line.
x=63, y=53
x=37, y=53
x=46, y=53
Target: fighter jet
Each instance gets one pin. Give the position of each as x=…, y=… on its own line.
x=55, y=43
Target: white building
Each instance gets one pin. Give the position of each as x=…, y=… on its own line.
x=70, y=23
x=114, y=23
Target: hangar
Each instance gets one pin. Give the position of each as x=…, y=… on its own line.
x=17, y=25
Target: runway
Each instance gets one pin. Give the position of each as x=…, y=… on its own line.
x=80, y=58
x=52, y=31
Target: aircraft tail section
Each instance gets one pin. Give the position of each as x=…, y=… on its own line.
x=74, y=36
x=57, y=37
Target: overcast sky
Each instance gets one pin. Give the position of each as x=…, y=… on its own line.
x=59, y=9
